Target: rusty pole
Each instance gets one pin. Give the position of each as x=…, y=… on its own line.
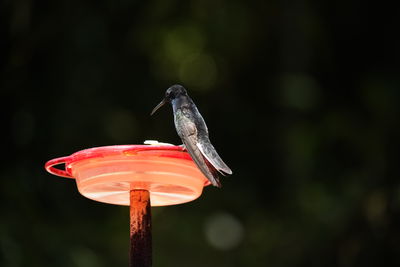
x=140, y=254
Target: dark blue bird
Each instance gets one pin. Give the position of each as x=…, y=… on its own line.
x=193, y=131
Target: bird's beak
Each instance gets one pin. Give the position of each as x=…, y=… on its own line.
x=158, y=106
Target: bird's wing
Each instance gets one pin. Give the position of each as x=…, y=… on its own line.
x=188, y=134
x=209, y=152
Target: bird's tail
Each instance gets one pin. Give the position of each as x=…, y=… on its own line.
x=203, y=164
x=213, y=178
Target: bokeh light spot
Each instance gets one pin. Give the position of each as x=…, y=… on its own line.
x=181, y=42
x=223, y=231
x=299, y=91
x=198, y=71
x=85, y=257
x=375, y=207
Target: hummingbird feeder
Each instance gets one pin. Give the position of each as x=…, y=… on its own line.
x=139, y=176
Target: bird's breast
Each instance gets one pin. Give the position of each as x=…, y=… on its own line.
x=184, y=123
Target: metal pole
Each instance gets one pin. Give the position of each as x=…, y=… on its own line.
x=140, y=229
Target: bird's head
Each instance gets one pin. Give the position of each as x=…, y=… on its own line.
x=174, y=92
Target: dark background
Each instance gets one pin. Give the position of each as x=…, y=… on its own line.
x=301, y=99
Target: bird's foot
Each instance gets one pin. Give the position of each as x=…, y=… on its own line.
x=183, y=146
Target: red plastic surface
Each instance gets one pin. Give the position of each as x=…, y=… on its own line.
x=107, y=174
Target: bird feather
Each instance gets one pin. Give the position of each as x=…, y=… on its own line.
x=209, y=152
x=188, y=134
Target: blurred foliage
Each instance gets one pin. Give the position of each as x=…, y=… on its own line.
x=301, y=99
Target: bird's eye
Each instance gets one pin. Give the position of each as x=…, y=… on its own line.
x=169, y=95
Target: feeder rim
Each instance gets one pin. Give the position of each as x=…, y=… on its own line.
x=103, y=151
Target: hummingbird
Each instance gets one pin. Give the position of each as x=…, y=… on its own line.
x=193, y=131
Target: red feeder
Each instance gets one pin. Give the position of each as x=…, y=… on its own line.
x=134, y=175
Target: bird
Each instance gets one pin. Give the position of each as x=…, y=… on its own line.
x=193, y=131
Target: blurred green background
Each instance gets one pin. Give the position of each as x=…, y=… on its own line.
x=301, y=99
